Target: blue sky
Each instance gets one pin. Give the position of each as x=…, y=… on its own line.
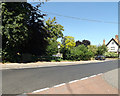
x=83, y=29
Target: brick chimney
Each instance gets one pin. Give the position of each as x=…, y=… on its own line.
x=116, y=38
x=104, y=42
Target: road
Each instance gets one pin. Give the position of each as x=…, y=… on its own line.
x=17, y=81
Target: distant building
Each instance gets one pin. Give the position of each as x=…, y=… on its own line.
x=113, y=45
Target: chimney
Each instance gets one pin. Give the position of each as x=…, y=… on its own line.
x=116, y=38
x=104, y=42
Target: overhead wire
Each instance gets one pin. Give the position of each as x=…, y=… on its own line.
x=77, y=18
x=84, y=19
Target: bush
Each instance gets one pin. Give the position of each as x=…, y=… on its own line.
x=52, y=48
x=101, y=50
x=80, y=53
x=111, y=55
x=49, y=58
x=88, y=55
x=93, y=49
x=66, y=53
x=59, y=60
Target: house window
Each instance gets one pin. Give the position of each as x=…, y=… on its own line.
x=112, y=48
x=112, y=42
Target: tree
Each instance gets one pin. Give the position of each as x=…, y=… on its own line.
x=101, y=50
x=78, y=43
x=54, y=29
x=68, y=42
x=14, y=28
x=55, y=32
x=86, y=42
x=22, y=31
x=66, y=53
x=52, y=48
x=93, y=49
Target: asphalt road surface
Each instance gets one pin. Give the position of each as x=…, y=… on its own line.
x=17, y=81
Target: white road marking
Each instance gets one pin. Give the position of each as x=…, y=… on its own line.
x=84, y=78
x=64, y=84
x=100, y=74
x=73, y=81
x=40, y=90
x=92, y=76
x=59, y=85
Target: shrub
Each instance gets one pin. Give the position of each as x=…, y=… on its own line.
x=93, y=49
x=52, y=48
x=80, y=53
x=66, y=53
x=101, y=50
x=88, y=55
x=58, y=60
x=111, y=55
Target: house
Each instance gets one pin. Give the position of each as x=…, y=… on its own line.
x=113, y=45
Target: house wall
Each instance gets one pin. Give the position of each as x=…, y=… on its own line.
x=112, y=47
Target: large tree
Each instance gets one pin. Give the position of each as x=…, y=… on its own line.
x=22, y=30
x=14, y=28
x=68, y=43
x=55, y=29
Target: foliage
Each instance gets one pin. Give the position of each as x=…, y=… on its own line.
x=37, y=40
x=81, y=53
x=14, y=28
x=111, y=55
x=48, y=58
x=101, y=50
x=85, y=42
x=66, y=53
x=54, y=29
x=78, y=43
x=52, y=48
x=68, y=42
x=93, y=49
x=22, y=31
x=55, y=32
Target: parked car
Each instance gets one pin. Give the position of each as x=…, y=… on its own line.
x=100, y=57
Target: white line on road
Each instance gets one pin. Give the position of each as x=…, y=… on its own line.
x=65, y=83
x=59, y=85
x=73, y=81
x=92, y=76
x=84, y=78
x=40, y=90
x=100, y=74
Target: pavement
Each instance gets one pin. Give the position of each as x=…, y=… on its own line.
x=28, y=80
x=91, y=85
x=45, y=64
x=112, y=78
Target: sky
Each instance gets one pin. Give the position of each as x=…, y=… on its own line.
x=89, y=28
